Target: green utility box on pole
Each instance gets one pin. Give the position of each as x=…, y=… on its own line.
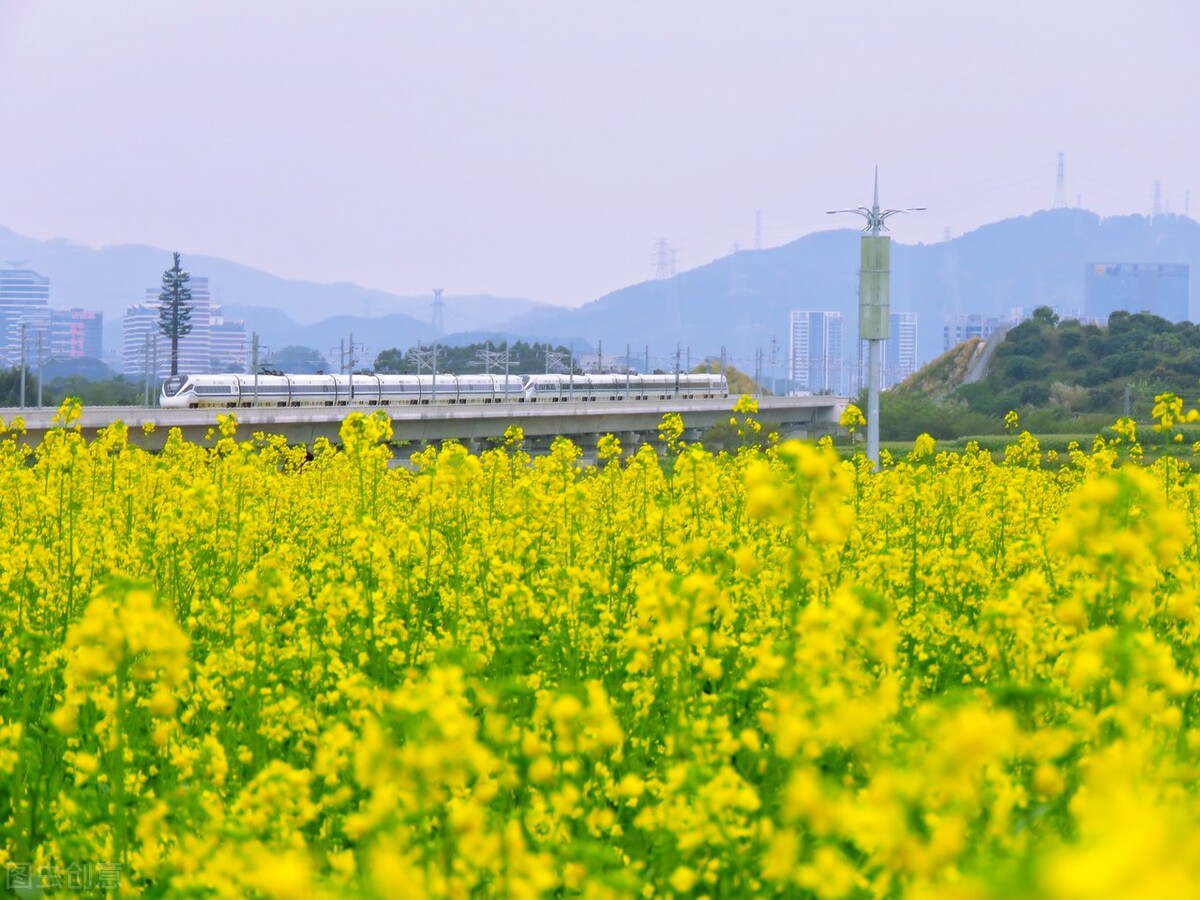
x=874, y=297
x=873, y=290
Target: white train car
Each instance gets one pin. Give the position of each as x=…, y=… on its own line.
x=565, y=388
x=386, y=390
x=235, y=390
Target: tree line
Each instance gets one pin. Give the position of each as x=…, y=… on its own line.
x=1063, y=376
x=515, y=358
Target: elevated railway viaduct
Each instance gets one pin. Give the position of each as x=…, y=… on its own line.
x=476, y=426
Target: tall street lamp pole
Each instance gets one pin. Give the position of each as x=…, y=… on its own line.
x=873, y=301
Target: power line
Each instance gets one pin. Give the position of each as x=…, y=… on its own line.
x=490, y=357
x=555, y=361
x=423, y=357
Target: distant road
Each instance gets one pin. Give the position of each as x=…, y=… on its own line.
x=470, y=423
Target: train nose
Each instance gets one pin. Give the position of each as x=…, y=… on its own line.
x=174, y=385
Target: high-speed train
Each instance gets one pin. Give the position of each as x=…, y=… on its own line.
x=192, y=391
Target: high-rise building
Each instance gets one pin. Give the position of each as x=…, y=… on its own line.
x=962, y=327
x=213, y=344
x=75, y=333
x=1158, y=288
x=228, y=345
x=24, y=301
x=143, y=345
x=26, y=316
x=899, y=354
x=900, y=350
x=816, y=354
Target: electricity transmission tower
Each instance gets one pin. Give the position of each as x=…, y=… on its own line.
x=662, y=260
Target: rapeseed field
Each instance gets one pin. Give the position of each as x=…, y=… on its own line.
x=241, y=668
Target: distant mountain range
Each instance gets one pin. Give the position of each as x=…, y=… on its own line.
x=740, y=302
x=283, y=311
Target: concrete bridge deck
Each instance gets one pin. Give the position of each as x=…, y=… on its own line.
x=473, y=424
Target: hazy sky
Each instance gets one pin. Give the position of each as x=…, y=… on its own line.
x=540, y=149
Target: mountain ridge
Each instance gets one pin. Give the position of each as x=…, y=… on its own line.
x=109, y=279
x=738, y=302
x=743, y=300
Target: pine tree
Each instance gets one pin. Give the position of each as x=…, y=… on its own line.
x=175, y=309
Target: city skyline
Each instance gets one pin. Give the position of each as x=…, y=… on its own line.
x=214, y=344
x=33, y=332
x=541, y=153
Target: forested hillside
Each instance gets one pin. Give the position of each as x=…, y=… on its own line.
x=1064, y=375
x=1086, y=368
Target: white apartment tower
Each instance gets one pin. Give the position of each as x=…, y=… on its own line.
x=815, y=352
x=899, y=354
x=900, y=350
x=964, y=326
x=24, y=310
x=213, y=344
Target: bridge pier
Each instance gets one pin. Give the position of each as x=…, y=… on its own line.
x=631, y=441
